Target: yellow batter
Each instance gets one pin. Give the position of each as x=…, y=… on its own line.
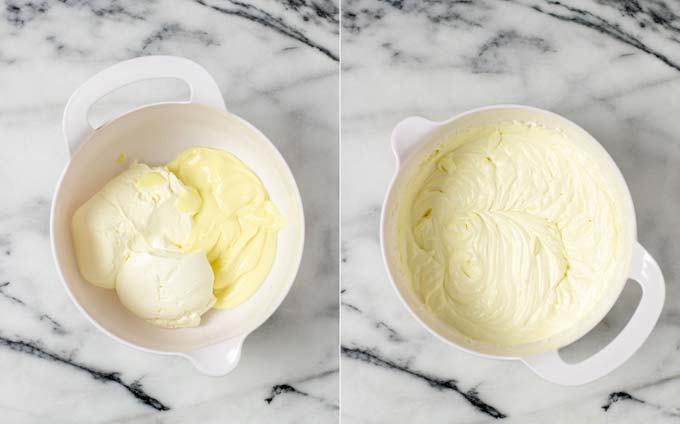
x=509, y=233
x=236, y=225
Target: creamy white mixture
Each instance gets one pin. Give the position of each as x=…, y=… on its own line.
x=510, y=233
x=128, y=236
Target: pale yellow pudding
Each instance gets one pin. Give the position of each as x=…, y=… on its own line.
x=510, y=233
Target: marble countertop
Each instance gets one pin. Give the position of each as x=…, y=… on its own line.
x=277, y=66
x=613, y=68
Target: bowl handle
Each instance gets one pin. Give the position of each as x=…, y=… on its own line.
x=408, y=134
x=647, y=273
x=218, y=359
x=202, y=87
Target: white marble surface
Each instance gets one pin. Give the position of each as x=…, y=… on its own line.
x=276, y=65
x=614, y=68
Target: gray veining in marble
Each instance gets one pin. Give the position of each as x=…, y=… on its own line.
x=613, y=68
x=610, y=66
x=277, y=66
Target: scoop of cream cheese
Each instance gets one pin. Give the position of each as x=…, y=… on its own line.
x=129, y=235
x=169, y=289
x=236, y=225
x=510, y=233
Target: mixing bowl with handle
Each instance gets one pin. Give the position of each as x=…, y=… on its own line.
x=415, y=138
x=154, y=134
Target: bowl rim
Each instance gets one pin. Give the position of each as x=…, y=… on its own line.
x=298, y=202
x=390, y=193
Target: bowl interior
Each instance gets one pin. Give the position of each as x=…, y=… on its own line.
x=477, y=118
x=155, y=135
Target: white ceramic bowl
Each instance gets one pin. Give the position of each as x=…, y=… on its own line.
x=414, y=139
x=155, y=134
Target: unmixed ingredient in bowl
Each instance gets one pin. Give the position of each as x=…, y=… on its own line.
x=510, y=233
x=176, y=241
x=236, y=225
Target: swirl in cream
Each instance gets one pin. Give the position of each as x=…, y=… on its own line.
x=510, y=233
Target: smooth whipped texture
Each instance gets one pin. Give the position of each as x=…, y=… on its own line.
x=510, y=233
x=173, y=248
